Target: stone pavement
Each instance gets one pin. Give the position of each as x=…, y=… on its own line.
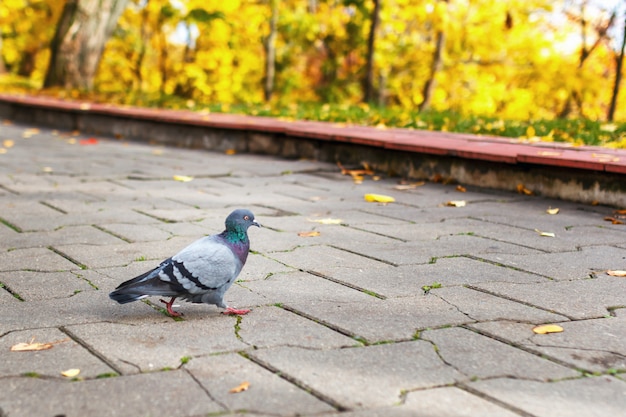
x=341, y=324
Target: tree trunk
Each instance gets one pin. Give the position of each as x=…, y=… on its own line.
x=368, y=84
x=619, y=61
x=3, y=68
x=435, y=67
x=270, y=52
x=81, y=34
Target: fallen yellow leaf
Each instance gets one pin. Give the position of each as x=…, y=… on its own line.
x=551, y=210
x=523, y=190
x=461, y=189
x=613, y=220
x=530, y=132
x=240, y=388
x=456, y=203
x=545, y=234
x=312, y=233
x=616, y=273
x=182, y=178
x=8, y=143
x=230, y=152
x=547, y=328
x=3, y=151
x=548, y=153
x=7, y=122
x=379, y=198
x=30, y=347
x=34, y=346
x=326, y=221
x=71, y=373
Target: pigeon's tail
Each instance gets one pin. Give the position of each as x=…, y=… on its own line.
x=122, y=296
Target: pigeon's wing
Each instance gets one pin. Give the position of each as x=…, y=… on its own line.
x=148, y=283
x=206, y=265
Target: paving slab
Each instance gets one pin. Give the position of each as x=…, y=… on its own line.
x=145, y=347
x=267, y=392
x=150, y=394
x=355, y=313
x=407, y=280
x=484, y=307
x=420, y=252
x=595, y=345
x=372, y=376
x=273, y=326
x=586, y=298
x=591, y=397
x=35, y=259
x=468, y=351
x=63, y=354
x=34, y=286
x=566, y=266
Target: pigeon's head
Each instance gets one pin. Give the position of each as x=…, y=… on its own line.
x=240, y=219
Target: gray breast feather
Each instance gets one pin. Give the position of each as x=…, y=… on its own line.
x=210, y=261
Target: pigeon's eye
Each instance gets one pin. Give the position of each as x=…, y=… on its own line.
x=246, y=217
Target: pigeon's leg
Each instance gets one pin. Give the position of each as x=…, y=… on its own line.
x=235, y=312
x=168, y=305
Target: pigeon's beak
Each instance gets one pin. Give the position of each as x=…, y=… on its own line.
x=256, y=224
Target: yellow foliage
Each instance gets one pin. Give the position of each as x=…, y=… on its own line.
x=504, y=59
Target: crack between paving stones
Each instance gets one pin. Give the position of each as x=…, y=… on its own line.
x=525, y=348
x=11, y=226
x=376, y=233
x=53, y=207
x=301, y=385
x=69, y=258
x=326, y=324
x=93, y=351
x=527, y=304
x=279, y=212
x=451, y=304
x=345, y=284
x=8, y=190
x=511, y=243
x=11, y=291
x=386, y=216
x=362, y=255
x=514, y=268
x=102, y=229
x=493, y=400
x=206, y=391
x=440, y=356
x=161, y=219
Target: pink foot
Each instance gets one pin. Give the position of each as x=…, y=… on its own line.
x=235, y=312
x=168, y=305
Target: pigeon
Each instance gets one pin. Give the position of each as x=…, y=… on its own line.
x=200, y=273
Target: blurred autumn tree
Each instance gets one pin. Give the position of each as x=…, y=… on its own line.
x=519, y=59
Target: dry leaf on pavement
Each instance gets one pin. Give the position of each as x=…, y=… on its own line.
x=326, y=221
x=461, y=189
x=456, y=203
x=71, y=373
x=545, y=234
x=551, y=210
x=523, y=190
x=616, y=273
x=182, y=178
x=240, y=388
x=312, y=233
x=547, y=328
x=379, y=198
x=33, y=346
